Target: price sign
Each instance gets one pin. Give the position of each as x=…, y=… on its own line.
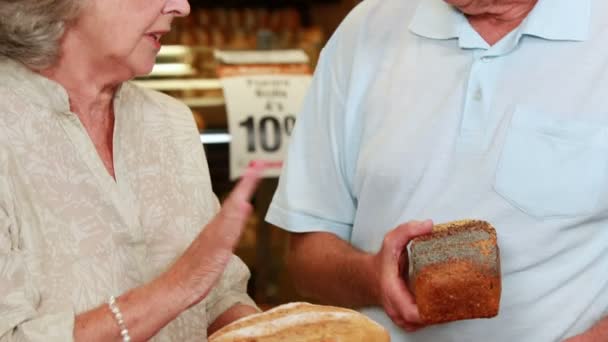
x=264, y=91
x=262, y=112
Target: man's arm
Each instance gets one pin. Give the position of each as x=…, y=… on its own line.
x=321, y=264
x=598, y=332
x=231, y=315
x=329, y=269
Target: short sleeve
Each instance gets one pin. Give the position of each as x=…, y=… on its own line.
x=22, y=315
x=315, y=187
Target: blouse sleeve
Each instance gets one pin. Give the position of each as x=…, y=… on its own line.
x=230, y=290
x=23, y=317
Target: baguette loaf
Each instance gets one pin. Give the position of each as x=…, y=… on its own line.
x=455, y=272
x=303, y=322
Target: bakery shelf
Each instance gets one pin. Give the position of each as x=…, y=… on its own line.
x=181, y=84
x=215, y=137
x=200, y=102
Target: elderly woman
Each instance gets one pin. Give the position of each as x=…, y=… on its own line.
x=104, y=187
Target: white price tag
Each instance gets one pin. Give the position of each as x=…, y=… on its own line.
x=261, y=115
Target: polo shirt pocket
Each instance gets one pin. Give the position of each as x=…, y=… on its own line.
x=552, y=167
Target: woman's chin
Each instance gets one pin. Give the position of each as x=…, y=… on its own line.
x=143, y=69
x=141, y=60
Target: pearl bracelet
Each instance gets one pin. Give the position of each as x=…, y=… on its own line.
x=124, y=332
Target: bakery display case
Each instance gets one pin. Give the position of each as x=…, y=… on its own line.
x=186, y=69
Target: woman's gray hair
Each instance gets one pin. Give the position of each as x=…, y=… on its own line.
x=31, y=30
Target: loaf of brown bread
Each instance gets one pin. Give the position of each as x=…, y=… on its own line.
x=303, y=322
x=455, y=272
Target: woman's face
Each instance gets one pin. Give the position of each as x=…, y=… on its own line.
x=125, y=34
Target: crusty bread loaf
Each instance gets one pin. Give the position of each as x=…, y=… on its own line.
x=303, y=322
x=455, y=272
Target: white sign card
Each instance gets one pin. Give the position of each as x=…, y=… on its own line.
x=262, y=102
x=262, y=112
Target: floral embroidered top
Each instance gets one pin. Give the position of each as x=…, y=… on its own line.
x=71, y=235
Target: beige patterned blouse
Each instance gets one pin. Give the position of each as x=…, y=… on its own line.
x=70, y=235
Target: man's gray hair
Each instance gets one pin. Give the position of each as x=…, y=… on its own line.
x=31, y=30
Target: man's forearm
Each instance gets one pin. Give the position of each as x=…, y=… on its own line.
x=235, y=312
x=328, y=269
x=600, y=331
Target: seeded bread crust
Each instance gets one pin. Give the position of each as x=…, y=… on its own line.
x=455, y=272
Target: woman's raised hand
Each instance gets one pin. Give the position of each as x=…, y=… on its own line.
x=203, y=263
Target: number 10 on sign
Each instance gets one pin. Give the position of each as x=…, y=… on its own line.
x=268, y=132
x=261, y=116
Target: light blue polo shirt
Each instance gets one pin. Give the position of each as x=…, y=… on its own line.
x=411, y=115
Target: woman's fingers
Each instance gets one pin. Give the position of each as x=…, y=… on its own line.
x=237, y=206
x=245, y=188
x=230, y=221
x=404, y=233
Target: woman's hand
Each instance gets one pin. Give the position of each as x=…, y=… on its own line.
x=392, y=265
x=202, y=264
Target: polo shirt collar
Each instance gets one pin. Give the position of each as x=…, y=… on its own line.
x=566, y=20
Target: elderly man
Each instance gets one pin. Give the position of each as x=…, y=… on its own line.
x=488, y=109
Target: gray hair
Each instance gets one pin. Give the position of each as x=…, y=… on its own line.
x=31, y=30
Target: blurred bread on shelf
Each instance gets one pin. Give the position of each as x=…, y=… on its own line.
x=199, y=119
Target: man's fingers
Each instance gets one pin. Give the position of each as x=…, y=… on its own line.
x=407, y=305
x=409, y=327
x=413, y=229
x=396, y=241
x=402, y=303
x=412, y=327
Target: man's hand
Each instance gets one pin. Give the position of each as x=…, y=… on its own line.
x=392, y=265
x=581, y=338
x=232, y=314
x=599, y=332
